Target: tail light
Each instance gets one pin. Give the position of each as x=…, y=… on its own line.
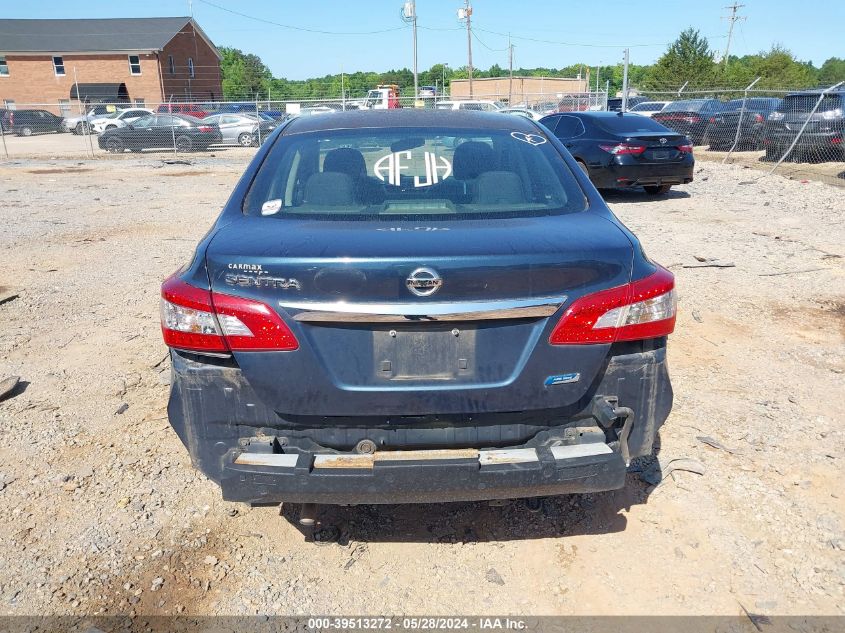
x=642, y=309
x=205, y=128
x=623, y=148
x=712, y=119
x=686, y=149
x=836, y=140
x=692, y=119
x=200, y=320
x=758, y=118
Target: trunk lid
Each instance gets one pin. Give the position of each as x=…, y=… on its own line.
x=458, y=350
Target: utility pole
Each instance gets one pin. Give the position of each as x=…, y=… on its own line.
x=625, y=83
x=732, y=19
x=409, y=15
x=510, y=71
x=466, y=14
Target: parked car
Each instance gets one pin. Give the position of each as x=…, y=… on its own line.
x=823, y=137
x=82, y=123
x=188, y=109
x=649, y=108
x=159, y=131
x=689, y=117
x=623, y=150
x=118, y=119
x=29, y=122
x=481, y=105
x=615, y=104
x=241, y=129
x=722, y=126
x=428, y=92
x=449, y=326
x=530, y=114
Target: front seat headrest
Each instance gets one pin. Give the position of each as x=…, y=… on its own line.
x=345, y=160
x=471, y=158
x=328, y=189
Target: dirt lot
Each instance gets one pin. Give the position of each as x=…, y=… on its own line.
x=102, y=512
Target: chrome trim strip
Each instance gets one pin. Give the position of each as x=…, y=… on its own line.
x=201, y=353
x=334, y=312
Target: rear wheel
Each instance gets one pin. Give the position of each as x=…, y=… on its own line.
x=245, y=139
x=114, y=145
x=583, y=167
x=657, y=190
x=184, y=144
x=82, y=128
x=25, y=131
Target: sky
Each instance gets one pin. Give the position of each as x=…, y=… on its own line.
x=369, y=34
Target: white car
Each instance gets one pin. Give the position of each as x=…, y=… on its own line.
x=119, y=119
x=82, y=123
x=649, y=108
x=528, y=114
x=469, y=104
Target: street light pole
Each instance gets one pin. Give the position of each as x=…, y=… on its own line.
x=466, y=14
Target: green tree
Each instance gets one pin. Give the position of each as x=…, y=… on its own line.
x=688, y=59
x=244, y=74
x=779, y=69
x=832, y=71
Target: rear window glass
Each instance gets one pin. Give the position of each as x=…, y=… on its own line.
x=412, y=173
x=806, y=103
x=629, y=124
x=692, y=105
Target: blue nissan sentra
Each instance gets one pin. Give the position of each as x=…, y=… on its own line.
x=416, y=306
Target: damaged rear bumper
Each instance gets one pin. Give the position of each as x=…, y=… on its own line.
x=421, y=476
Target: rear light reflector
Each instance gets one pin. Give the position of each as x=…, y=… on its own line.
x=623, y=148
x=642, y=309
x=199, y=320
x=205, y=128
x=686, y=149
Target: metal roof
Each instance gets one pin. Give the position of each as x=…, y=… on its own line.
x=91, y=35
x=409, y=117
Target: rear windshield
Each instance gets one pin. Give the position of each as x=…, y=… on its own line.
x=691, y=105
x=629, y=124
x=806, y=103
x=412, y=173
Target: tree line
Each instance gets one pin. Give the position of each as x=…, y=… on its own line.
x=689, y=59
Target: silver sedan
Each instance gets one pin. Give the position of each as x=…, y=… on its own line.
x=240, y=129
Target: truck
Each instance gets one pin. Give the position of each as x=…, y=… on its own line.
x=384, y=97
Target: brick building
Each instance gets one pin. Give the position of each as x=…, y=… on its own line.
x=60, y=63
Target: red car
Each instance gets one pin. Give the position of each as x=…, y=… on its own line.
x=190, y=109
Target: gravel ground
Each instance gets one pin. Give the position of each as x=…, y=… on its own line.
x=103, y=514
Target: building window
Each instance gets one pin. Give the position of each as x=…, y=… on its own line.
x=10, y=104
x=134, y=65
x=59, y=66
x=191, y=67
x=64, y=107
x=4, y=67
x=139, y=103
x=171, y=65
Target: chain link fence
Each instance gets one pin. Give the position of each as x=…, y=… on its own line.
x=799, y=133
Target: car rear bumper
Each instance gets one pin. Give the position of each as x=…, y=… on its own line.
x=613, y=176
x=421, y=476
x=258, y=456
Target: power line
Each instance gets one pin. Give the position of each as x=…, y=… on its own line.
x=560, y=43
x=299, y=28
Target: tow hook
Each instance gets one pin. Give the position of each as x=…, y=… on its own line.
x=607, y=412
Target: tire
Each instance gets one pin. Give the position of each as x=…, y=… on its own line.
x=111, y=127
x=115, y=145
x=772, y=155
x=25, y=131
x=245, y=139
x=657, y=190
x=81, y=128
x=184, y=144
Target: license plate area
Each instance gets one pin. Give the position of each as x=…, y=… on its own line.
x=435, y=353
x=661, y=154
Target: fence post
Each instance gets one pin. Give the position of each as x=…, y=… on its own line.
x=801, y=131
x=739, y=124
x=3, y=136
x=257, y=116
